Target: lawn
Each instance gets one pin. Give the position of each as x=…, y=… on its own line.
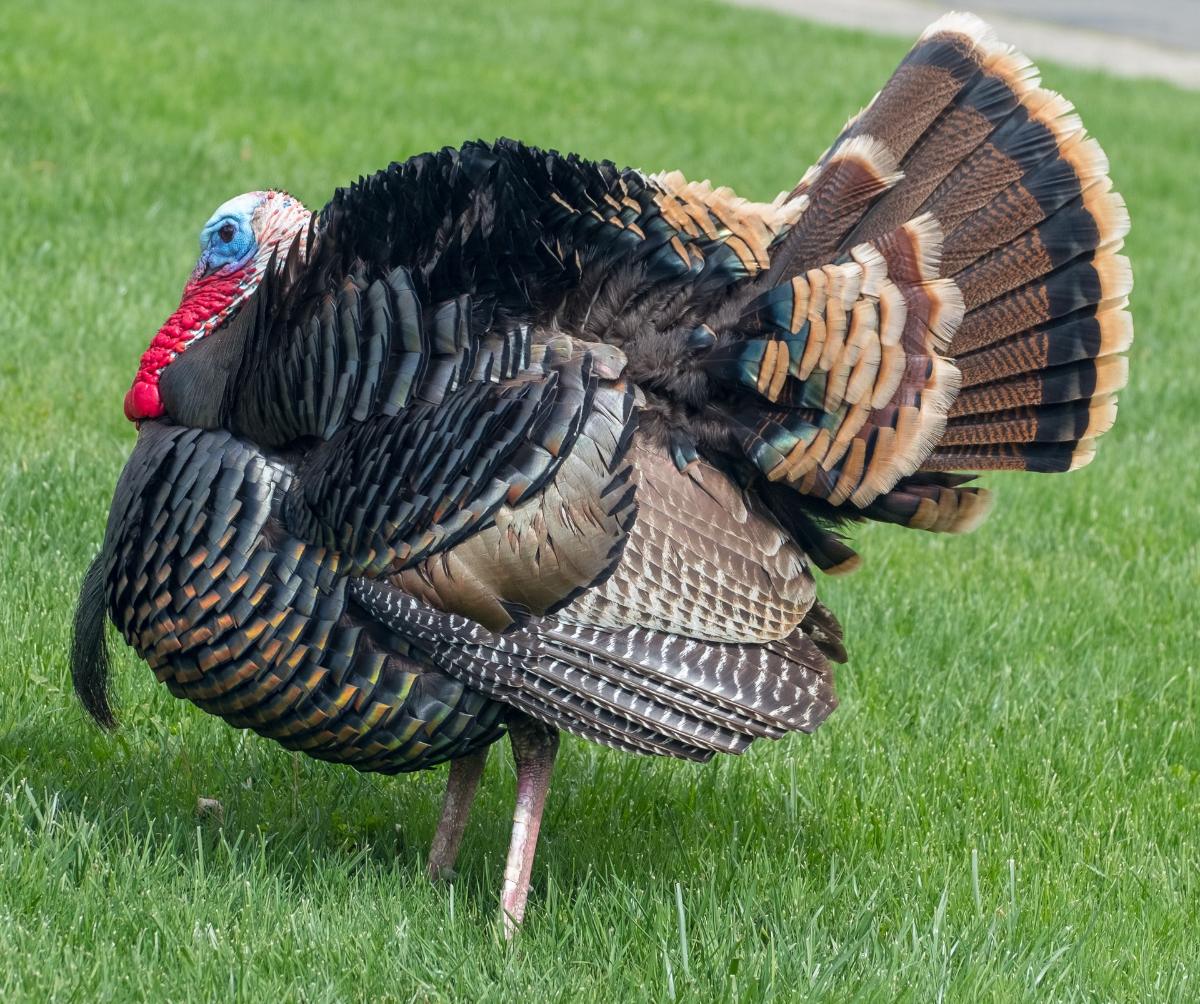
x=1007, y=804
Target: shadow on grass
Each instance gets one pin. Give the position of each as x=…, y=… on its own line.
x=632, y=821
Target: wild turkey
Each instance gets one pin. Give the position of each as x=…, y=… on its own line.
x=508, y=440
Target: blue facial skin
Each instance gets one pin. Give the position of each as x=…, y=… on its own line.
x=226, y=239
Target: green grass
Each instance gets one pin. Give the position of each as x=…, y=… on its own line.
x=1007, y=804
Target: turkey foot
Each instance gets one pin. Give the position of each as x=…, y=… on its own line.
x=461, y=787
x=534, y=747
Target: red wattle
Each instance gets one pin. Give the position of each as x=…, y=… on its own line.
x=204, y=301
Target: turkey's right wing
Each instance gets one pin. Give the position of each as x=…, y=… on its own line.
x=499, y=500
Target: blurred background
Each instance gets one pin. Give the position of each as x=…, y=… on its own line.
x=1155, y=38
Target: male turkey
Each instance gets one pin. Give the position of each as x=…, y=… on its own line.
x=508, y=440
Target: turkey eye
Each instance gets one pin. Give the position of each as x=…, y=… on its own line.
x=226, y=232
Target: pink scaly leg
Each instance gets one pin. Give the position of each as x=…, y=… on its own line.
x=456, y=807
x=534, y=747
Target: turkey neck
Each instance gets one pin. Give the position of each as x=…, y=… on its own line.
x=249, y=623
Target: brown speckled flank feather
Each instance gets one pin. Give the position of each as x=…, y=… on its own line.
x=510, y=439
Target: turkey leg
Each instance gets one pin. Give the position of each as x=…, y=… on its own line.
x=534, y=747
x=456, y=807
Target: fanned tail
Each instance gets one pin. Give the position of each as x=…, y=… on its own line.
x=1032, y=234
x=951, y=298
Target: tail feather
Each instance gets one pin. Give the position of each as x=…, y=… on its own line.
x=1060, y=423
x=1081, y=336
x=1079, y=381
x=839, y=193
x=1041, y=458
x=941, y=503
